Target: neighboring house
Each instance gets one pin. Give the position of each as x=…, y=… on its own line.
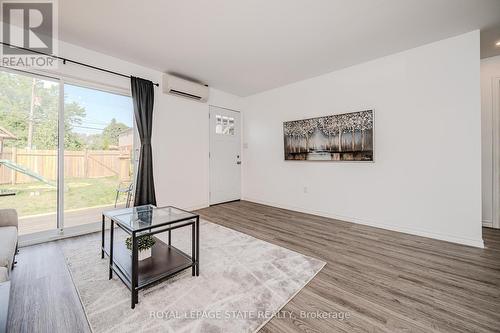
x=126, y=140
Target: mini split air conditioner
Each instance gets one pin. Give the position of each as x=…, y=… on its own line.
x=180, y=87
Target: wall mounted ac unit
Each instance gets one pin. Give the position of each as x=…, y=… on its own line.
x=180, y=87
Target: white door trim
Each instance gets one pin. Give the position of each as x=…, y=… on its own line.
x=495, y=92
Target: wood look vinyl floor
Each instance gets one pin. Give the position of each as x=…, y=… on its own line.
x=386, y=281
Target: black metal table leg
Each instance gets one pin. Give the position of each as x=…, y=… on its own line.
x=111, y=234
x=193, y=250
x=165, y=268
x=197, y=246
x=102, y=236
x=135, y=298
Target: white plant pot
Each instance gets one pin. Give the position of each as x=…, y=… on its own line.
x=144, y=254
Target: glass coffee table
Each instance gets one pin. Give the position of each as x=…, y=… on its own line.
x=165, y=260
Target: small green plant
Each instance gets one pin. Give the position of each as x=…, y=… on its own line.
x=143, y=243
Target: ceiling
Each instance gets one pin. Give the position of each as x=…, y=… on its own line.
x=245, y=47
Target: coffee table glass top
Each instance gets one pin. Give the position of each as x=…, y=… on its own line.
x=147, y=216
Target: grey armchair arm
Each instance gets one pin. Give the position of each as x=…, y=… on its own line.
x=8, y=217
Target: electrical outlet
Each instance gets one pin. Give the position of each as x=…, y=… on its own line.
x=306, y=189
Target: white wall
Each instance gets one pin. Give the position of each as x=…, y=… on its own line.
x=490, y=70
x=426, y=179
x=180, y=132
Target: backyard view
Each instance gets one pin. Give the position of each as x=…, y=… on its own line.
x=98, y=145
x=81, y=193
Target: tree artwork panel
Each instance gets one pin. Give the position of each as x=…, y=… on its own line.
x=340, y=137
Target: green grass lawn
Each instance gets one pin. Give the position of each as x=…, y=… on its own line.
x=39, y=198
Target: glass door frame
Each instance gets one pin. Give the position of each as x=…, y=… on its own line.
x=60, y=134
x=60, y=231
x=135, y=144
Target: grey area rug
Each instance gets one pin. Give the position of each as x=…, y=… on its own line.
x=243, y=281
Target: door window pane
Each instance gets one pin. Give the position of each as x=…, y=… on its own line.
x=218, y=124
x=29, y=111
x=224, y=125
x=231, y=126
x=98, y=147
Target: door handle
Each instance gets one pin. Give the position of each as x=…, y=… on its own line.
x=239, y=162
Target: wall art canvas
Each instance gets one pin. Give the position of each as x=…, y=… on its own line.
x=340, y=137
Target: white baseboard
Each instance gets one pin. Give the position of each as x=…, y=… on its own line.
x=488, y=223
x=423, y=233
x=201, y=206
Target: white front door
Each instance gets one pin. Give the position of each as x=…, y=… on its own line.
x=225, y=155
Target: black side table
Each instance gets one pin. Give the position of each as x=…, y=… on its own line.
x=165, y=261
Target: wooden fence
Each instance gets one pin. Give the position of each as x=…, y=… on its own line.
x=77, y=164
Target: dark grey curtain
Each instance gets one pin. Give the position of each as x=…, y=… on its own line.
x=143, y=99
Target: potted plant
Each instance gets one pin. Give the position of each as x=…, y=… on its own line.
x=144, y=245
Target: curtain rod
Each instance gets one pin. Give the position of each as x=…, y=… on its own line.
x=65, y=60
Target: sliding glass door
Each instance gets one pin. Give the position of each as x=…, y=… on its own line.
x=59, y=188
x=29, y=117
x=98, y=147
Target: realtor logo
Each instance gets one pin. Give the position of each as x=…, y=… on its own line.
x=31, y=26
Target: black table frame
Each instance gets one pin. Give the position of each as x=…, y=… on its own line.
x=132, y=282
